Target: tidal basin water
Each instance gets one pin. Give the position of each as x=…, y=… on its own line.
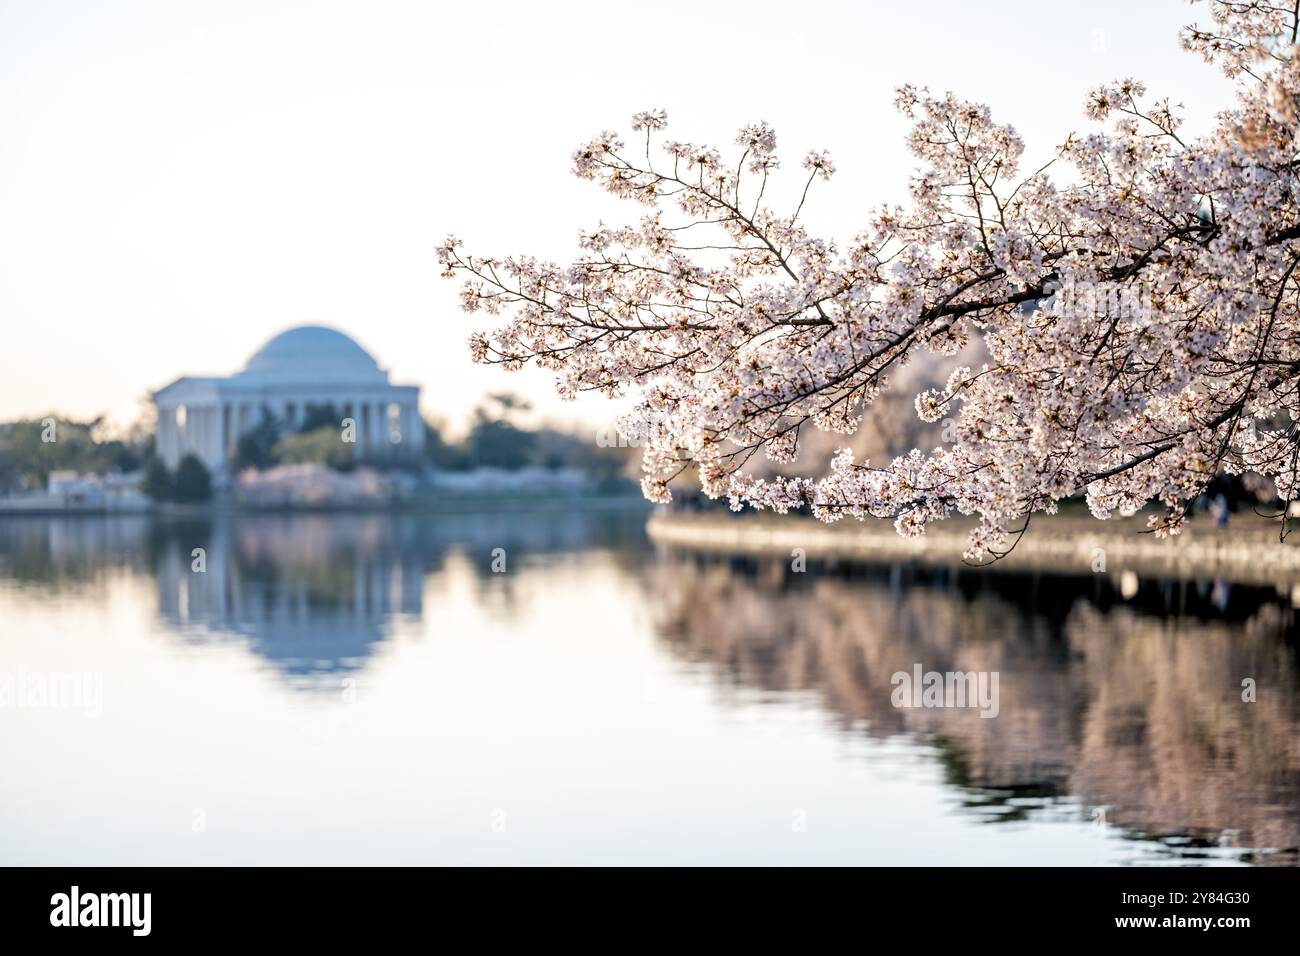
x=366, y=689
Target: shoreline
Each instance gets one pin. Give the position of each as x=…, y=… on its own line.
x=1246, y=552
x=448, y=505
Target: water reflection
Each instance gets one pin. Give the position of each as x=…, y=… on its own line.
x=312, y=597
x=1120, y=701
x=315, y=595
x=1133, y=708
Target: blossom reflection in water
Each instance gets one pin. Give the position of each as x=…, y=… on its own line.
x=364, y=688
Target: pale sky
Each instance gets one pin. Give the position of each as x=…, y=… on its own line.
x=180, y=180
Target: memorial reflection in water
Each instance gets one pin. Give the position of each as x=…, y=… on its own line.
x=312, y=602
x=716, y=691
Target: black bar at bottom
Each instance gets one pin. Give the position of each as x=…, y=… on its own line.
x=326, y=905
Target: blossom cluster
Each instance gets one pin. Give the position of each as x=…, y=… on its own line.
x=736, y=329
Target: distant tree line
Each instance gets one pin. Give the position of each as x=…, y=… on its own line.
x=31, y=448
x=495, y=439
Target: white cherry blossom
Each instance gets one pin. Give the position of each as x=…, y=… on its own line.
x=1138, y=299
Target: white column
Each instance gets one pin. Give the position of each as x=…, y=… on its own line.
x=209, y=435
x=221, y=436
x=205, y=443
x=224, y=415
x=218, y=431
x=353, y=411
x=201, y=436
x=413, y=432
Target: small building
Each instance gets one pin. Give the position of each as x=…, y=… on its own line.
x=69, y=491
x=311, y=366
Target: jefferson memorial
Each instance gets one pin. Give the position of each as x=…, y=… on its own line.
x=311, y=365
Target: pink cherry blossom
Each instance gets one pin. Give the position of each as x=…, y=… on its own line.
x=1139, y=310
